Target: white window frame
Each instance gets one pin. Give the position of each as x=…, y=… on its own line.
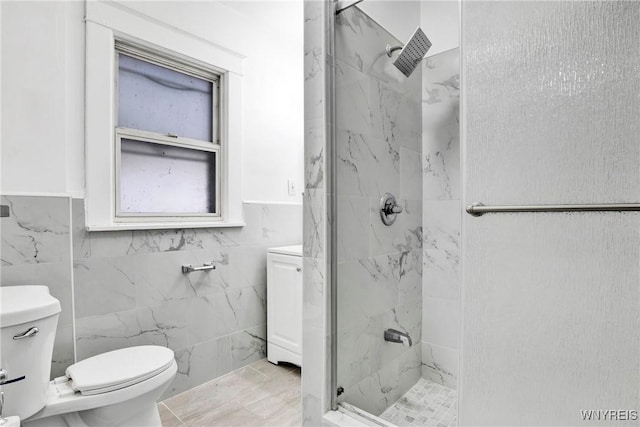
x=213, y=146
x=107, y=23
x=180, y=142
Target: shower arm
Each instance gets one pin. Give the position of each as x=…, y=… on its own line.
x=342, y=5
x=390, y=49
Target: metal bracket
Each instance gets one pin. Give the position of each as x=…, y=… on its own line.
x=190, y=269
x=342, y=5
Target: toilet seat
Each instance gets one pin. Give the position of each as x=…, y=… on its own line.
x=118, y=369
x=62, y=403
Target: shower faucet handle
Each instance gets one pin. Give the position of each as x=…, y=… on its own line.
x=396, y=209
x=389, y=208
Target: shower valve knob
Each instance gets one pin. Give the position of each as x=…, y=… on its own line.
x=389, y=209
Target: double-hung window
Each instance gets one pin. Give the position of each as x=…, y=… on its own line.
x=167, y=137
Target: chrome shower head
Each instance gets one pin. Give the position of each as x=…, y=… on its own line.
x=412, y=53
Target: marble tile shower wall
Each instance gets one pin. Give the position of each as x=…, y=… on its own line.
x=316, y=336
x=441, y=217
x=129, y=290
x=36, y=250
x=378, y=140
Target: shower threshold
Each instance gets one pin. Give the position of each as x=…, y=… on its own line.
x=426, y=404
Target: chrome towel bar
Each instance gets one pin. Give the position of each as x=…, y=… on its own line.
x=478, y=209
x=190, y=269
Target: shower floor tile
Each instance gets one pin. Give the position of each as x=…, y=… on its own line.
x=426, y=404
x=260, y=394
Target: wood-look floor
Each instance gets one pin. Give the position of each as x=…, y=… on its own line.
x=258, y=395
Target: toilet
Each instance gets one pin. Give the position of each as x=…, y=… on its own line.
x=117, y=388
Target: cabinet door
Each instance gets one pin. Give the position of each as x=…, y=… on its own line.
x=284, y=301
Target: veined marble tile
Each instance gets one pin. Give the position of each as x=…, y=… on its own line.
x=440, y=365
x=441, y=126
x=248, y=346
x=183, y=380
x=158, y=277
x=353, y=228
x=442, y=224
x=62, y=350
x=314, y=153
x=268, y=224
x=359, y=350
x=104, y=285
x=441, y=155
x=355, y=156
x=367, y=288
x=215, y=315
x=271, y=225
x=121, y=243
x=409, y=366
x=54, y=275
x=353, y=106
x=36, y=250
x=36, y=231
x=81, y=238
x=441, y=322
x=367, y=165
x=281, y=224
x=410, y=174
x=384, y=170
x=315, y=306
x=405, y=234
x=377, y=392
x=441, y=76
x=247, y=266
x=208, y=360
x=312, y=410
x=161, y=325
x=317, y=59
x=316, y=348
x=314, y=223
x=395, y=117
x=361, y=42
x=404, y=318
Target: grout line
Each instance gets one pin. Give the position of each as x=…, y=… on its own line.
x=172, y=413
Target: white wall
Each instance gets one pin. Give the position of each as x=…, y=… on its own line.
x=439, y=21
x=43, y=90
x=399, y=17
x=33, y=97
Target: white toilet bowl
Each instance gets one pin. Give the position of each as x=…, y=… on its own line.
x=118, y=388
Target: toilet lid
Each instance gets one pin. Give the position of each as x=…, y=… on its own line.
x=119, y=368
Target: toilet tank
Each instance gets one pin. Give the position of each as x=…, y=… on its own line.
x=28, y=320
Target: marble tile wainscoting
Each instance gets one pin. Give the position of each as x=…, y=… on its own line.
x=129, y=290
x=379, y=146
x=36, y=250
x=127, y=287
x=441, y=217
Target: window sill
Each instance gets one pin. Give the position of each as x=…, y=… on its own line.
x=163, y=225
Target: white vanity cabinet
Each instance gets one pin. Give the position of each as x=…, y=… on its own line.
x=284, y=304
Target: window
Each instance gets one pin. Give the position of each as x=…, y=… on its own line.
x=167, y=135
x=163, y=126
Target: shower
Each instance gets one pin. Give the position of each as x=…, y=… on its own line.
x=412, y=53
